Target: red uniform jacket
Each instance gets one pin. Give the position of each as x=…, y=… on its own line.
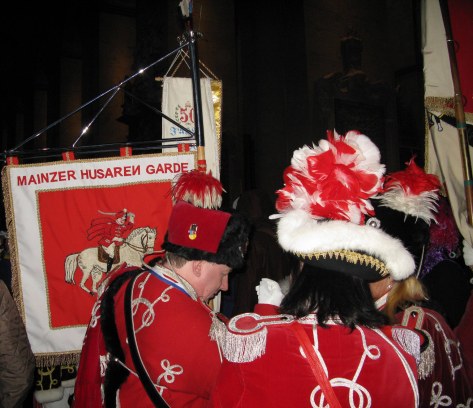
x=265, y=367
x=172, y=332
x=443, y=378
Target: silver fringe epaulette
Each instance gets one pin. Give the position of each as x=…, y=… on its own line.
x=244, y=340
x=426, y=364
x=409, y=341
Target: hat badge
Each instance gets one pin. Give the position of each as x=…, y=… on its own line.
x=193, y=231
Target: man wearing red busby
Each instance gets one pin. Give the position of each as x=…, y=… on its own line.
x=152, y=339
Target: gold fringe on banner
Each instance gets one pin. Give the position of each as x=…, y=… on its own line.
x=217, y=93
x=15, y=276
x=55, y=359
x=444, y=106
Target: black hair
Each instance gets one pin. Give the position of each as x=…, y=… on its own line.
x=332, y=295
x=231, y=250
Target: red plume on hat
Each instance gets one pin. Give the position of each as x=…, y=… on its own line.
x=198, y=188
x=333, y=180
x=412, y=191
x=326, y=214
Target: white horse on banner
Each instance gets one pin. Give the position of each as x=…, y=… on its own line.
x=139, y=243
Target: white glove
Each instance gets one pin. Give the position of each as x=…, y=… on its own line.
x=269, y=292
x=467, y=253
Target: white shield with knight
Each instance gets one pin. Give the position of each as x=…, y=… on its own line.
x=118, y=243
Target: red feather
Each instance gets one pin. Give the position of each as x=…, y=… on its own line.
x=413, y=180
x=198, y=188
x=329, y=182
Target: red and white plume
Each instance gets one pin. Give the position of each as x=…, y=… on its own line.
x=198, y=188
x=333, y=180
x=413, y=192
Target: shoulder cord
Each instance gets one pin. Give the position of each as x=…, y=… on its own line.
x=116, y=372
x=150, y=388
x=315, y=365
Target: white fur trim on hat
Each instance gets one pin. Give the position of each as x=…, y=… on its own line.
x=299, y=233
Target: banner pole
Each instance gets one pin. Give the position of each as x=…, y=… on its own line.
x=459, y=113
x=196, y=91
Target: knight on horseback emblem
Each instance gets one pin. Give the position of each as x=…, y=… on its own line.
x=119, y=242
x=112, y=231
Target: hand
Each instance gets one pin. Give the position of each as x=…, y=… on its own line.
x=467, y=253
x=269, y=292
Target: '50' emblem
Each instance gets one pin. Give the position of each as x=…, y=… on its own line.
x=185, y=115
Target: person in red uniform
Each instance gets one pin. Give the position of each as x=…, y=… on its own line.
x=152, y=338
x=326, y=344
x=406, y=208
x=112, y=232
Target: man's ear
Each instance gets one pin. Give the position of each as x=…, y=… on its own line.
x=197, y=268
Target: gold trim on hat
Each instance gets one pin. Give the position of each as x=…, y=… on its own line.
x=352, y=257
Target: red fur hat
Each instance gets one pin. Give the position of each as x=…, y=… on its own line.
x=197, y=230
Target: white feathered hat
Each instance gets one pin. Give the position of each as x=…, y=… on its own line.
x=408, y=205
x=325, y=214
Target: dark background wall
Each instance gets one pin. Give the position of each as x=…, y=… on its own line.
x=284, y=79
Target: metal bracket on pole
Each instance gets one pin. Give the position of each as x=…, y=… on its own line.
x=196, y=92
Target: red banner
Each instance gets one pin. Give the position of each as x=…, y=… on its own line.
x=69, y=223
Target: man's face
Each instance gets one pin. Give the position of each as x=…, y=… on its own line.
x=212, y=279
x=121, y=220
